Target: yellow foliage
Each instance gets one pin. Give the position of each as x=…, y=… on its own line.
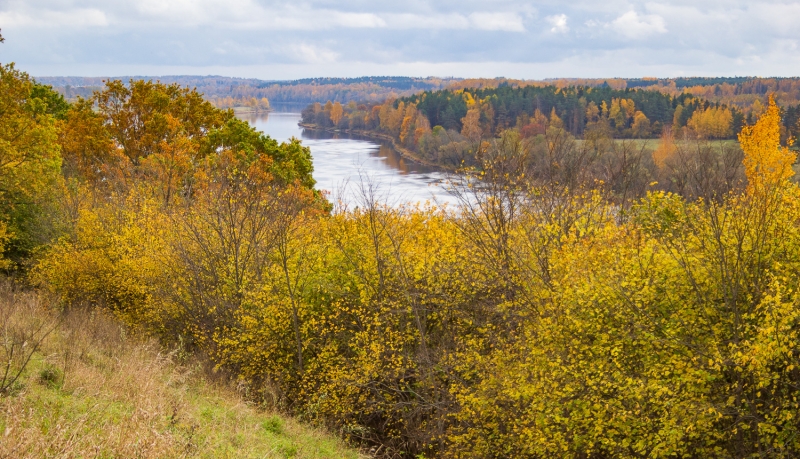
x=767, y=163
x=409, y=119
x=640, y=125
x=555, y=120
x=712, y=123
x=112, y=262
x=337, y=111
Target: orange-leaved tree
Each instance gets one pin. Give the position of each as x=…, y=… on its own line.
x=766, y=162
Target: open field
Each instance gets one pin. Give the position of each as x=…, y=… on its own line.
x=653, y=144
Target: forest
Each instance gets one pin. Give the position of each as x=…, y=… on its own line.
x=551, y=314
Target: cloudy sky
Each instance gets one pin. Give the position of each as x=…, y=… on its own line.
x=307, y=38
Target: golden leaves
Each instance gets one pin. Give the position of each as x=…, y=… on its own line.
x=767, y=163
x=712, y=123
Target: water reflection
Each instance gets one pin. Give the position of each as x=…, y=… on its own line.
x=393, y=159
x=341, y=161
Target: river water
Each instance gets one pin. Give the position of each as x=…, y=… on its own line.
x=343, y=162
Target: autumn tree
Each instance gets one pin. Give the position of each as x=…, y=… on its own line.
x=666, y=148
x=471, y=125
x=712, y=123
x=395, y=120
x=336, y=113
x=536, y=125
x=767, y=163
x=640, y=125
x=592, y=113
x=407, y=126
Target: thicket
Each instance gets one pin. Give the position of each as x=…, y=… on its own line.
x=548, y=315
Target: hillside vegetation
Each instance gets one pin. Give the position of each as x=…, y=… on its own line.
x=552, y=314
x=90, y=389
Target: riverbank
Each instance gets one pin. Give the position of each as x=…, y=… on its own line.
x=404, y=152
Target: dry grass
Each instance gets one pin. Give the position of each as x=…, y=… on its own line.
x=91, y=391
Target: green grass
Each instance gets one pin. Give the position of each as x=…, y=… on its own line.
x=91, y=391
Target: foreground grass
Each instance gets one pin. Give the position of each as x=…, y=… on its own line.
x=91, y=391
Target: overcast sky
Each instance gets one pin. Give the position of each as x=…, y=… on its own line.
x=296, y=39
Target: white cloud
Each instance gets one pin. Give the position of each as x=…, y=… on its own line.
x=429, y=21
x=77, y=18
x=782, y=17
x=246, y=14
x=509, y=22
x=559, y=23
x=697, y=37
x=311, y=54
x=185, y=10
x=359, y=20
x=632, y=25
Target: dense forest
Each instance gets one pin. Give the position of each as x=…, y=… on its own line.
x=625, y=113
x=735, y=91
x=551, y=315
x=740, y=91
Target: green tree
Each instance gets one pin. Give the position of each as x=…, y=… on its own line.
x=29, y=161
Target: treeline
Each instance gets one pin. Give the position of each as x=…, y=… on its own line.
x=210, y=86
x=549, y=315
x=225, y=92
x=741, y=92
x=244, y=102
x=348, y=89
x=749, y=94
x=396, y=82
x=222, y=92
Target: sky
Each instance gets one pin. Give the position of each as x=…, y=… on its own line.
x=278, y=40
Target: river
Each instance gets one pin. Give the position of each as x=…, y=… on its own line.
x=343, y=161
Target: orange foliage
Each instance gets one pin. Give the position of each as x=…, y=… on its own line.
x=767, y=163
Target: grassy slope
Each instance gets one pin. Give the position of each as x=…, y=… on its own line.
x=90, y=391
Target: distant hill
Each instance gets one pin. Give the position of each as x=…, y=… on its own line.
x=223, y=91
x=229, y=92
